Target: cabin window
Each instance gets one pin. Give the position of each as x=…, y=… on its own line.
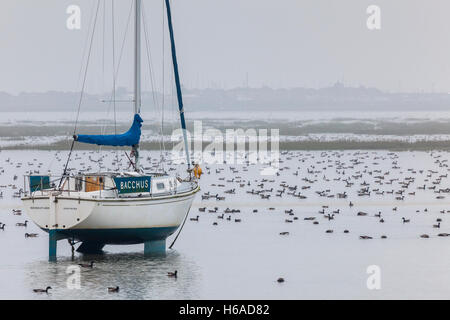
x=160, y=186
x=78, y=184
x=94, y=184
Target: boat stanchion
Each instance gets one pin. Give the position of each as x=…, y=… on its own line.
x=72, y=245
x=155, y=247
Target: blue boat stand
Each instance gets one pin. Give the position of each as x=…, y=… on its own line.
x=154, y=247
x=87, y=247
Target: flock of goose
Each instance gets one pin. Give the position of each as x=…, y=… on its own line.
x=338, y=184
x=309, y=188
x=113, y=289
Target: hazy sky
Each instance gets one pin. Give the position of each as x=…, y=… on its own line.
x=279, y=43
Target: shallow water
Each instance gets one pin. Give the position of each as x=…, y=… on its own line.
x=243, y=260
x=408, y=130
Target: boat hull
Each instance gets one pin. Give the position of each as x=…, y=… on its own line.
x=117, y=236
x=110, y=221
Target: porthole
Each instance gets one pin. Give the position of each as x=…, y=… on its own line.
x=160, y=186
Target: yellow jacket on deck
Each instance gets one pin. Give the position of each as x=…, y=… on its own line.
x=197, y=171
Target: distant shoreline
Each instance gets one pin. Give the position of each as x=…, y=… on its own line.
x=337, y=97
x=405, y=131
x=286, y=146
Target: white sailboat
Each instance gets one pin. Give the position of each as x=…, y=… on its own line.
x=115, y=207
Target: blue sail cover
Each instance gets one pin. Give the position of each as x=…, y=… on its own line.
x=129, y=138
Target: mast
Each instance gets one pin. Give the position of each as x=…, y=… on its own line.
x=137, y=71
x=177, y=82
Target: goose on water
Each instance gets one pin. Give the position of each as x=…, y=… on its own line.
x=20, y=224
x=84, y=265
x=172, y=274
x=42, y=290
x=31, y=235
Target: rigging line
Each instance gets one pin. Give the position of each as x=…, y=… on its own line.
x=163, y=70
x=149, y=56
x=86, y=44
x=103, y=45
x=114, y=75
x=82, y=88
x=162, y=136
x=131, y=161
x=147, y=43
x=67, y=163
x=86, y=69
x=176, y=237
x=119, y=62
x=148, y=51
x=163, y=58
x=100, y=149
x=172, y=112
x=173, y=107
x=113, y=66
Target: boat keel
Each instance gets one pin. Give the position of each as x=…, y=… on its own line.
x=89, y=247
x=93, y=241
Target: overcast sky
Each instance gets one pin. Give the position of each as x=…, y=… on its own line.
x=279, y=43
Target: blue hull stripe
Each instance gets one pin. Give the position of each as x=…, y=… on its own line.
x=117, y=236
